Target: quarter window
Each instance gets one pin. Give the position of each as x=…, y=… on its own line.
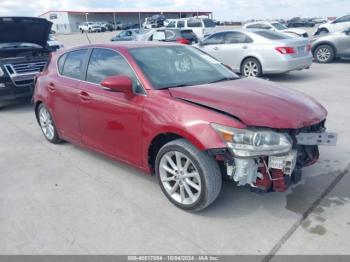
x=74, y=62
x=105, y=63
x=194, y=23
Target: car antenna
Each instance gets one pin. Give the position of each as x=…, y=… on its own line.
x=87, y=37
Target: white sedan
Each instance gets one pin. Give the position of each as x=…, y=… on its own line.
x=278, y=27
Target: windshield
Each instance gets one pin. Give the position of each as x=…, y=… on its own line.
x=175, y=66
x=279, y=26
x=19, y=45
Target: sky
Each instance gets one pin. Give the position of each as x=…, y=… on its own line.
x=228, y=10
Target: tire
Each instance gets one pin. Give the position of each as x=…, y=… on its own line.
x=47, y=125
x=324, y=54
x=203, y=182
x=251, y=67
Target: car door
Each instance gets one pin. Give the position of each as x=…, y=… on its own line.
x=111, y=121
x=343, y=44
x=212, y=44
x=64, y=92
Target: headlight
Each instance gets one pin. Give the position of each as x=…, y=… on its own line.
x=247, y=143
x=1, y=72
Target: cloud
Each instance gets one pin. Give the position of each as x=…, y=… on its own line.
x=223, y=9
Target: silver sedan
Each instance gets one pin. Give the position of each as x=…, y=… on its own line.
x=326, y=48
x=257, y=52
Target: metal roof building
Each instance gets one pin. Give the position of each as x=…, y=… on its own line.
x=67, y=22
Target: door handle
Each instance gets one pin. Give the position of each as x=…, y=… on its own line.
x=51, y=86
x=84, y=96
x=216, y=48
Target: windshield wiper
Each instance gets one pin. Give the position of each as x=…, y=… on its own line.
x=223, y=79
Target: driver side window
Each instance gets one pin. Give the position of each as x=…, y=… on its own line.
x=215, y=39
x=104, y=63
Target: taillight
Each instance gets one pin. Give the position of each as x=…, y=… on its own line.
x=285, y=50
x=308, y=48
x=183, y=41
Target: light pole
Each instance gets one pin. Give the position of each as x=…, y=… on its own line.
x=86, y=17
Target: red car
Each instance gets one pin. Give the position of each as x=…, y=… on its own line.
x=173, y=110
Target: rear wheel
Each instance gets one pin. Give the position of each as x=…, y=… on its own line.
x=47, y=125
x=251, y=67
x=189, y=178
x=324, y=54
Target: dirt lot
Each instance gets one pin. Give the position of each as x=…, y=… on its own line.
x=61, y=199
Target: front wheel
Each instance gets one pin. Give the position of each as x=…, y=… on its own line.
x=251, y=67
x=189, y=178
x=47, y=125
x=324, y=54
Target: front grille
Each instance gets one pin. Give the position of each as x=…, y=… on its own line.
x=23, y=68
x=22, y=73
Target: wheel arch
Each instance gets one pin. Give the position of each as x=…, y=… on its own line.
x=159, y=140
x=313, y=49
x=251, y=56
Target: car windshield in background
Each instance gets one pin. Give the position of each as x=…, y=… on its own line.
x=279, y=26
x=175, y=66
x=209, y=23
x=18, y=45
x=271, y=35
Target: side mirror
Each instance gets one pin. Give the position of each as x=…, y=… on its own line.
x=120, y=83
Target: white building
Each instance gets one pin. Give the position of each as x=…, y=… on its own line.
x=66, y=22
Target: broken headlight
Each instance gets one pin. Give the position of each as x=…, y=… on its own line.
x=249, y=142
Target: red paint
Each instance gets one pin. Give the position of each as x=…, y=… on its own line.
x=123, y=126
x=278, y=181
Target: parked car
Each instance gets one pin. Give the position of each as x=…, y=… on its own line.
x=172, y=110
x=277, y=26
x=149, y=23
x=337, y=25
x=327, y=47
x=299, y=22
x=24, y=52
x=127, y=35
x=182, y=36
x=90, y=27
x=256, y=52
x=200, y=26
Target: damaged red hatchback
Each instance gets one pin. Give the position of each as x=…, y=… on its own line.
x=174, y=111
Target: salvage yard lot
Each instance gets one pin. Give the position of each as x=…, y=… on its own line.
x=61, y=199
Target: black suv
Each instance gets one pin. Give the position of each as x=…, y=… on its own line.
x=24, y=52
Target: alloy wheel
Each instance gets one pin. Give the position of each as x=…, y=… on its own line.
x=46, y=123
x=180, y=177
x=250, y=69
x=323, y=54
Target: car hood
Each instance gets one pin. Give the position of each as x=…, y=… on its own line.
x=24, y=29
x=256, y=102
x=295, y=30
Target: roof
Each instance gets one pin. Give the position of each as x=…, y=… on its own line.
x=126, y=45
x=125, y=12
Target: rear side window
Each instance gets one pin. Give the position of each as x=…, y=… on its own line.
x=74, y=62
x=209, y=23
x=60, y=63
x=171, y=24
x=194, y=23
x=188, y=34
x=180, y=24
x=271, y=35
